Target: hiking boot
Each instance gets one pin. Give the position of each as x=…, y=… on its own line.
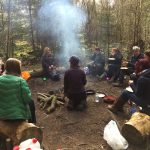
x=117, y=84
x=82, y=106
x=115, y=110
x=111, y=80
x=70, y=105
x=102, y=76
x=118, y=105
x=112, y=109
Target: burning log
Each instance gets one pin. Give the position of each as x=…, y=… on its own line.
x=37, y=73
x=137, y=129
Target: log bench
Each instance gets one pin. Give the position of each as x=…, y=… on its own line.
x=137, y=129
x=14, y=132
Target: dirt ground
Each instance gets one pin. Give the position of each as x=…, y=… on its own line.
x=76, y=130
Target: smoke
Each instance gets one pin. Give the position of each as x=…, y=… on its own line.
x=64, y=21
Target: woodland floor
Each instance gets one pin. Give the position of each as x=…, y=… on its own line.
x=76, y=130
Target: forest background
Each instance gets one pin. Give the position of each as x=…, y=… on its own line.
x=110, y=23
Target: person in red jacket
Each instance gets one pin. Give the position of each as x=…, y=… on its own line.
x=74, y=82
x=140, y=66
x=143, y=64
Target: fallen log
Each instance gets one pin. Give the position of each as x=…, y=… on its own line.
x=37, y=73
x=52, y=106
x=137, y=129
x=44, y=94
x=18, y=131
x=48, y=101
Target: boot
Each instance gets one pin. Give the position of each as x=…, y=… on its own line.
x=117, y=106
x=70, y=105
x=111, y=80
x=82, y=106
x=118, y=84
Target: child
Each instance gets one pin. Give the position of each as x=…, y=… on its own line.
x=74, y=81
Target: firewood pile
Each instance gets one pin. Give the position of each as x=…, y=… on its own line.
x=51, y=100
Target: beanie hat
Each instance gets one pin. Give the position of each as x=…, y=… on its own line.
x=74, y=60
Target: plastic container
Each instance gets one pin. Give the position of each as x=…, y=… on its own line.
x=86, y=70
x=97, y=98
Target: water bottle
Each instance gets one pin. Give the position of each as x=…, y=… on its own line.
x=96, y=98
x=86, y=70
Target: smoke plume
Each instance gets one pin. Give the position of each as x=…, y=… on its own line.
x=64, y=21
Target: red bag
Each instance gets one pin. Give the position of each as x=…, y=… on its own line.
x=109, y=99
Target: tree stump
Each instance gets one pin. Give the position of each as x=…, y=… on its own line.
x=137, y=129
x=19, y=131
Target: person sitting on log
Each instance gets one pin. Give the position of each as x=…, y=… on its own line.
x=96, y=67
x=15, y=96
x=74, y=81
x=114, y=64
x=130, y=66
x=49, y=65
x=140, y=95
x=1, y=67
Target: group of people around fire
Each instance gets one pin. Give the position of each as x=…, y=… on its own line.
x=15, y=96
x=137, y=68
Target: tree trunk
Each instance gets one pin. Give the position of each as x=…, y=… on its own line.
x=31, y=25
x=8, y=30
x=137, y=129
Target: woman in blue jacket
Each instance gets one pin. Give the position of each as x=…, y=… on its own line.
x=140, y=95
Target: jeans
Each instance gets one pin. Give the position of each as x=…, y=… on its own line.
x=128, y=71
x=32, y=110
x=113, y=71
x=126, y=95
x=52, y=74
x=96, y=69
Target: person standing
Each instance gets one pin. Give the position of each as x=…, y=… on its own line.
x=74, y=82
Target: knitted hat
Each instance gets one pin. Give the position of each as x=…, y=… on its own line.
x=74, y=60
x=135, y=48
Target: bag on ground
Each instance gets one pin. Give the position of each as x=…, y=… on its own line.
x=113, y=137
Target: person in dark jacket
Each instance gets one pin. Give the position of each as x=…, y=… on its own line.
x=130, y=66
x=141, y=65
x=114, y=64
x=98, y=63
x=49, y=64
x=74, y=82
x=140, y=95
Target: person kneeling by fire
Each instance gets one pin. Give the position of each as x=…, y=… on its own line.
x=140, y=95
x=74, y=81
